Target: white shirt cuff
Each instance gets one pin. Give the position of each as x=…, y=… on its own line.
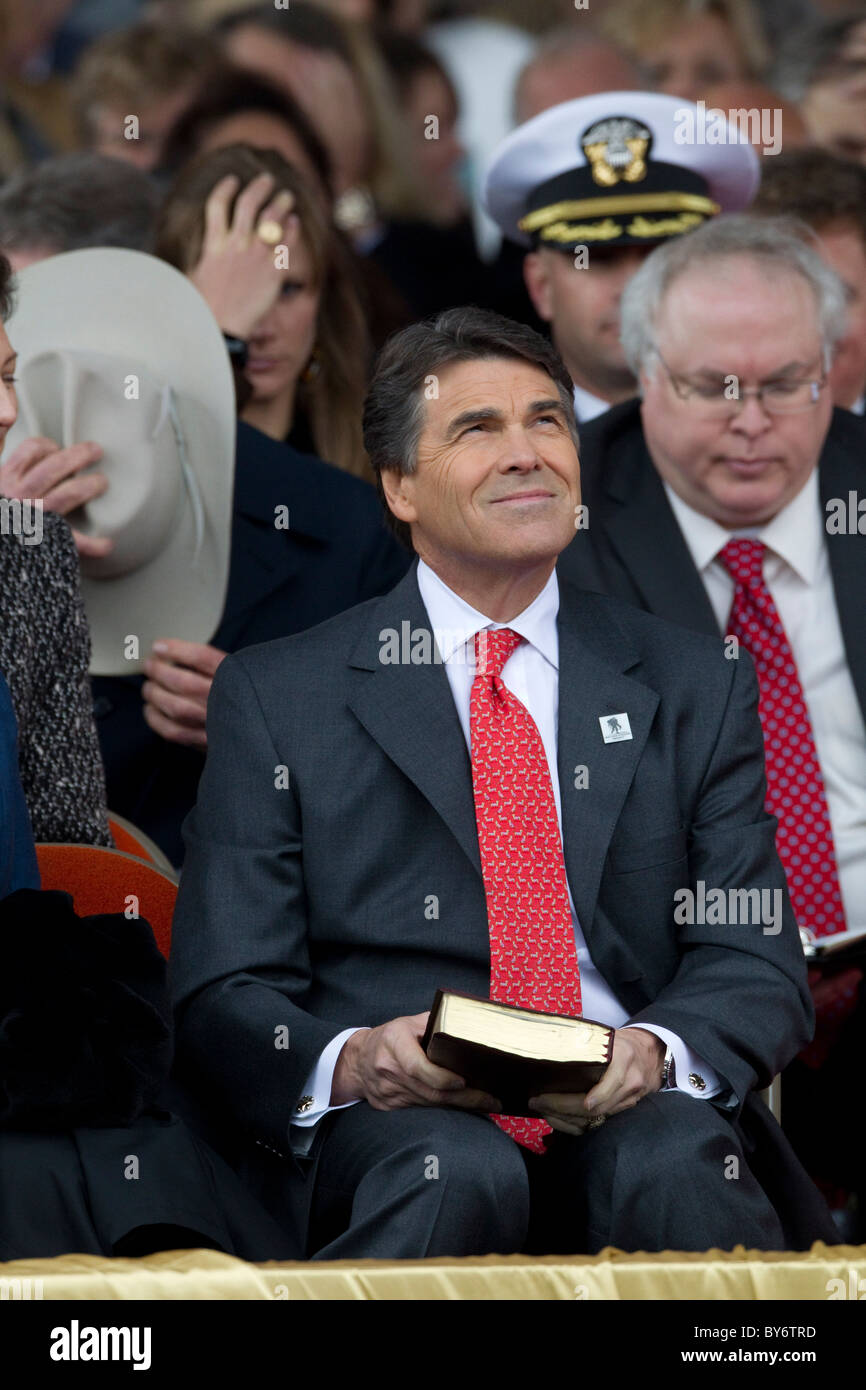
x=689, y=1069
x=317, y=1087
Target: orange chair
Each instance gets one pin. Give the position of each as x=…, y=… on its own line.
x=104, y=880
x=131, y=840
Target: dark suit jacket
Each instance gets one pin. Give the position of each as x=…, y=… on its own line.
x=304, y=906
x=634, y=548
x=336, y=553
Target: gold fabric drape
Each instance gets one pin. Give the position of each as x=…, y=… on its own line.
x=207, y=1274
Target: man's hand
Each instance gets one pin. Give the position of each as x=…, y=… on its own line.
x=236, y=271
x=635, y=1070
x=388, y=1068
x=40, y=468
x=180, y=675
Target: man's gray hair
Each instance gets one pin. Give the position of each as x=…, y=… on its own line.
x=78, y=200
x=778, y=243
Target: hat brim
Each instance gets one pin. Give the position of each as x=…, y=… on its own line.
x=534, y=153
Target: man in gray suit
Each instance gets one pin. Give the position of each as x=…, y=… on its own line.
x=354, y=836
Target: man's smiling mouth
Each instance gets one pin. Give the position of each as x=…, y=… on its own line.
x=536, y=495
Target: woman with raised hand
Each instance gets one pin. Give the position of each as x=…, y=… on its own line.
x=251, y=235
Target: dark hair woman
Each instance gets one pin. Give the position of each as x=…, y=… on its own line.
x=303, y=328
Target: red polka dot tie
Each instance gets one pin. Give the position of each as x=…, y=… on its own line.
x=533, y=954
x=795, y=787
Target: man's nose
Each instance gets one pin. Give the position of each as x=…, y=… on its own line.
x=519, y=451
x=752, y=417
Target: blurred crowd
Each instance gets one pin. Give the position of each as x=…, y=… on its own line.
x=205, y=138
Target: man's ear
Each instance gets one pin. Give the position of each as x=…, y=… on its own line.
x=537, y=277
x=399, y=494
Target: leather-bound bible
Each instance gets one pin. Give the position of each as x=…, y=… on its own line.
x=515, y=1053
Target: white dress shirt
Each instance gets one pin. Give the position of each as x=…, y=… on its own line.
x=532, y=675
x=587, y=406
x=797, y=573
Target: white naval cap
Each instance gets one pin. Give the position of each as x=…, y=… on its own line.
x=618, y=168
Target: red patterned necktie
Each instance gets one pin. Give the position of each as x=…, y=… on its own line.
x=533, y=954
x=795, y=786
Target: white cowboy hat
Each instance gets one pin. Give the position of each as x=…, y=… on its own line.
x=117, y=347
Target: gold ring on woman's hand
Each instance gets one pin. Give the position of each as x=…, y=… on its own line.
x=270, y=231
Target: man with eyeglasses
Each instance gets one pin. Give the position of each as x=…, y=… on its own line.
x=715, y=501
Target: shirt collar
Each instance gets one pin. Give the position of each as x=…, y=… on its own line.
x=587, y=406
x=455, y=622
x=794, y=533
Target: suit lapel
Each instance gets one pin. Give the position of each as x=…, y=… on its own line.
x=643, y=531
x=839, y=473
x=594, y=656
x=409, y=710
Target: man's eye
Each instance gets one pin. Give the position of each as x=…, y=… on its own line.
x=290, y=289
x=10, y=380
x=783, y=388
x=707, y=391
x=547, y=420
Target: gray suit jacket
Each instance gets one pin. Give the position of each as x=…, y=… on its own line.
x=304, y=906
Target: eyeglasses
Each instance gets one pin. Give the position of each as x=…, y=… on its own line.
x=718, y=400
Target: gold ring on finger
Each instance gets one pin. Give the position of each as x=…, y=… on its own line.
x=596, y=1121
x=270, y=231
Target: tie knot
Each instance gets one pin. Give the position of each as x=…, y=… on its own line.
x=493, y=648
x=744, y=560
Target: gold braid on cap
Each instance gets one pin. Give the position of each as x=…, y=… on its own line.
x=624, y=203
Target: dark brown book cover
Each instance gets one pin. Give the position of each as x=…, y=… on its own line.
x=511, y=1079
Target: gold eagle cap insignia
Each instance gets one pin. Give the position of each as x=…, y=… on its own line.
x=616, y=149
